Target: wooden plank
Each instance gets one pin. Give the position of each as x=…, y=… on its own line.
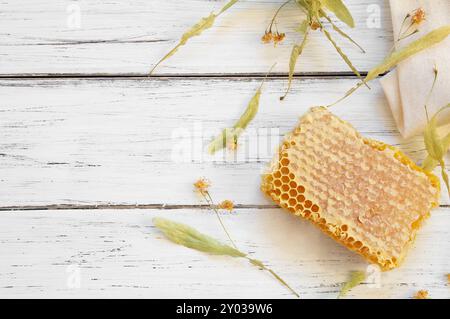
x=126, y=37
x=120, y=254
x=104, y=141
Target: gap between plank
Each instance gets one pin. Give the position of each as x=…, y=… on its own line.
x=63, y=207
x=133, y=76
x=122, y=207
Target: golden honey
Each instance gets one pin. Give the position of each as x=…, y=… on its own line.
x=365, y=194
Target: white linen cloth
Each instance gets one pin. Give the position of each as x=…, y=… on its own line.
x=407, y=87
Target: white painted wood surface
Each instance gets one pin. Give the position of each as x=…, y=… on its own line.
x=87, y=142
x=127, y=37
x=114, y=141
x=120, y=254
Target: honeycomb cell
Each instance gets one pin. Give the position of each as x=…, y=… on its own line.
x=292, y=202
x=357, y=244
x=284, y=171
x=293, y=192
x=355, y=189
x=284, y=162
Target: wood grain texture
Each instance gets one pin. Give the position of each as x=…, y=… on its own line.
x=120, y=254
x=103, y=141
x=127, y=37
x=99, y=142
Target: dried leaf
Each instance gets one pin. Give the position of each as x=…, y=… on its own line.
x=303, y=27
x=189, y=237
x=295, y=54
x=433, y=143
x=259, y=264
x=342, y=54
x=445, y=176
x=430, y=163
x=340, y=11
x=227, y=6
x=398, y=56
x=204, y=24
x=436, y=147
x=342, y=33
x=356, y=278
x=230, y=135
x=415, y=47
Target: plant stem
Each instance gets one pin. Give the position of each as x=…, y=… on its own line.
x=264, y=267
x=210, y=201
x=276, y=14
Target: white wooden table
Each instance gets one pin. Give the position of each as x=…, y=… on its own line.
x=87, y=141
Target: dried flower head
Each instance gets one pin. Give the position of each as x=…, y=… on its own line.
x=278, y=37
x=418, y=16
x=315, y=25
x=267, y=37
x=202, y=185
x=227, y=205
x=421, y=294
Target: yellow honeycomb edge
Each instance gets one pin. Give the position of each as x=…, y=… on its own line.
x=335, y=231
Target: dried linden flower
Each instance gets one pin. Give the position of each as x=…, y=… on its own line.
x=278, y=37
x=227, y=205
x=267, y=37
x=421, y=294
x=418, y=16
x=202, y=185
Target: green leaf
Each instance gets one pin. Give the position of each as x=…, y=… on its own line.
x=341, y=32
x=295, y=54
x=430, y=163
x=413, y=48
x=260, y=264
x=433, y=143
x=227, y=6
x=445, y=176
x=343, y=56
x=356, y=278
x=230, y=135
x=303, y=27
x=189, y=237
x=437, y=147
x=340, y=11
x=204, y=24
x=423, y=43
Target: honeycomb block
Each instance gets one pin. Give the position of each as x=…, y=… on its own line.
x=365, y=194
